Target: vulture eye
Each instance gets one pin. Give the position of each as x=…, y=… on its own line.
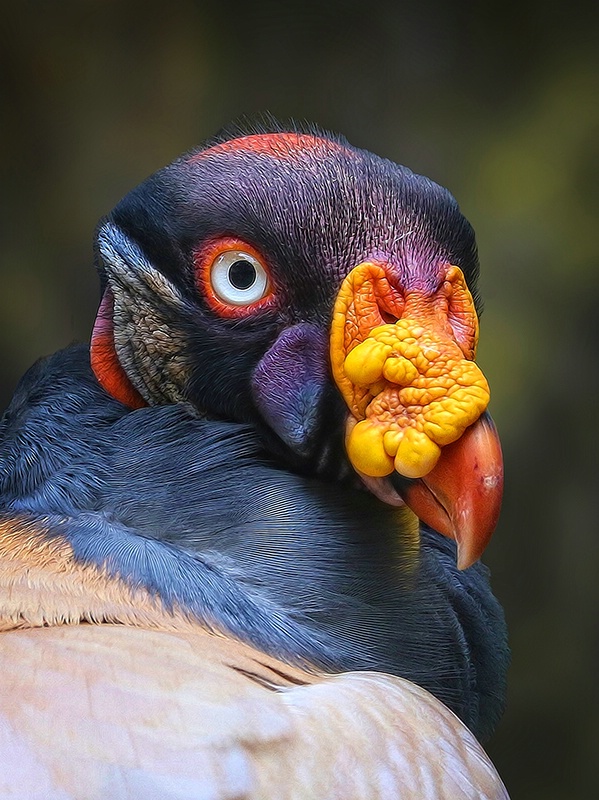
x=238, y=278
x=233, y=277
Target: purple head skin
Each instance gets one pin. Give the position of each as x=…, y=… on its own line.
x=289, y=383
x=314, y=207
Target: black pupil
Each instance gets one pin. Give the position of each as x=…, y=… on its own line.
x=242, y=274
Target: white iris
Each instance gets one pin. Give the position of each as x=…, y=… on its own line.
x=238, y=278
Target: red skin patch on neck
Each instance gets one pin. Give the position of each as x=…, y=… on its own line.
x=104, y=360
x=284, y=146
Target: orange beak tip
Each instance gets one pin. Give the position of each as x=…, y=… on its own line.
x=461, y=496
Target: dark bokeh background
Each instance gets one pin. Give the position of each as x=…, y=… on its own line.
x=499, y=104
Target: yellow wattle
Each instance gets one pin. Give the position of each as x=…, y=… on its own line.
x=366, y=450
x=411, y=384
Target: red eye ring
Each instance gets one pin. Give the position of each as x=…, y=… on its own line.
x=233, y=277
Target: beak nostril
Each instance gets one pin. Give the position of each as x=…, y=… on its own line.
x=388, y=319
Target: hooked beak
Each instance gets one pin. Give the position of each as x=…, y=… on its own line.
x=461, y=496
x=418, y=431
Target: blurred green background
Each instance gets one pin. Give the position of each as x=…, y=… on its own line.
x=500, y=104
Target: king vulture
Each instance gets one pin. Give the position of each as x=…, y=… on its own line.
x=240, y=531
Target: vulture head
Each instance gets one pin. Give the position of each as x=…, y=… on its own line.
x=327, y=296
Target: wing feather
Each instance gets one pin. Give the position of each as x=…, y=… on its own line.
x=108, y=711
